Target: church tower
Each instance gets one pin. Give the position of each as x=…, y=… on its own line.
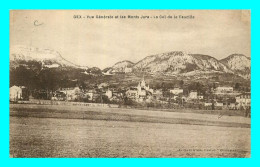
x=139, y=87
x=143, y=83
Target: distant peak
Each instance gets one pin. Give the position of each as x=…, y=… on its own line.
x=177, y=53
x=21, y=52
x=203, y=56
x=124, y=61
x=237, y=55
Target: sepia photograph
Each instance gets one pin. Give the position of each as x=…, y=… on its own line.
x=130, y=84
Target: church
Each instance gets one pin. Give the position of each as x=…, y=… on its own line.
x=141, y=92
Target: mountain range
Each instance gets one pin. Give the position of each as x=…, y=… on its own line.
x=49, y=58
x=170, y=63
x=181, y=63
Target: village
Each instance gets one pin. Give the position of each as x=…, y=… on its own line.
x=129, y=84
x=141, y=95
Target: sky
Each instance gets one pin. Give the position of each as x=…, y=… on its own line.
x=103, y=42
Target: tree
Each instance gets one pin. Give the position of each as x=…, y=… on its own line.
x=181, y=83
x=214, y=86
x=105, y=99
x=237, y=86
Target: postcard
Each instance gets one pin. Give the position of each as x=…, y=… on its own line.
x=130, y=83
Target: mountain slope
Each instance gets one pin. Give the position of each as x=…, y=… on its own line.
x=49, y=58
x=179, y=62
x=121, y=66
x=239, y=64
x=170, y=63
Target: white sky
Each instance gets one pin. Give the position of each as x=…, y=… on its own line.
x=103, y=42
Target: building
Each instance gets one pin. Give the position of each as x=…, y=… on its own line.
x=232, y=106
x=224, y=89
x=15, y=93
x=58, y=96
x=109, y=93
x=200, y=97
x=141, y=92
x=143, y=85
x=219, y=105
x=176, y=91
x=244, y=100
x=90, y=94
x=132, y=93
x=117, y=94
x=207, y=104
x=71, y=93
x=193, y=95
x=102, y=85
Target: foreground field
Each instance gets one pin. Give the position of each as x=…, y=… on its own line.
x=46, y=131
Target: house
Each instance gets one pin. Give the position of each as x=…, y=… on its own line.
x=244, y=100
x=224, y=89
x=207, y=104
x=132, y=93
x=90, y=94
x=218, y=104
x=102, y=85
x=117, y=94
x=109, y=93
x=15, y=93
x=176, y=91
x=71, y=93
x=200, y=97
x=59, y=96
x=232, y=106
x=193, y=95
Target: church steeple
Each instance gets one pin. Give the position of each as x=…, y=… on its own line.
x=143, y=83
x=139, y=86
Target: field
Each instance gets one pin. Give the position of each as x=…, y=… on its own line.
x=78, y=131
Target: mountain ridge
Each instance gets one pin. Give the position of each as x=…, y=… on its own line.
x=43, y=55
x=174, y=62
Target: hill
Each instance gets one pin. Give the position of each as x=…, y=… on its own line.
x=239, y=64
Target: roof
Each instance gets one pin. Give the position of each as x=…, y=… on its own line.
x=245, y=93
x=193, y=91
x=225, y=87
x=69, y=88
x=176, y=89
x=15, y=87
